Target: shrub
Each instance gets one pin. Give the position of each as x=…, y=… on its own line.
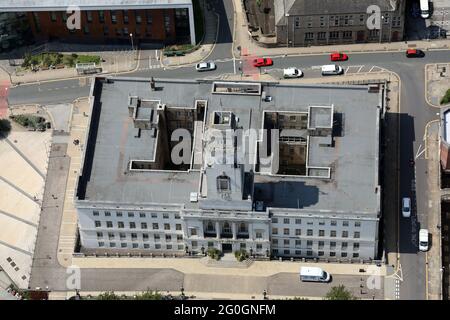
x=241, y=255
x=339, y=293
x=214, y=253
x=446, y=98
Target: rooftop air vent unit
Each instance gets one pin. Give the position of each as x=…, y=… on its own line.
x=193, y=197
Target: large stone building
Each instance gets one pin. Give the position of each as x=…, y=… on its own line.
x=315, y=195
x=325, y=22
x=112, y=21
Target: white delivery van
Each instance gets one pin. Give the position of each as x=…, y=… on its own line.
x=314, y=274
x=331, y=69
x=424, y=9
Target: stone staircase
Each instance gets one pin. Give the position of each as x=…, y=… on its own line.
x=228, y=260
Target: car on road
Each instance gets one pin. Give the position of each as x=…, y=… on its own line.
x=415, y=53
x=205, y=66
x=406, y=207
x=423, y=240
x=292, y=73
x=332, y=69
x=262, y=62
x=338, y=56
x=314, y=274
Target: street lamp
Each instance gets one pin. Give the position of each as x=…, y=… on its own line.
x=132, y=44
x=381, y=27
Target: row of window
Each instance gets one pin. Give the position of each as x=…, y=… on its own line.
x=321, y=223
x=101, y=16
x=321, y=233
x=341, y=21
x=156, y=246
x=119, y=31
x=132, y=214
x=195, y=245
x=321, y=244
x=310, y=253
x=134, y=236
x=132, y=225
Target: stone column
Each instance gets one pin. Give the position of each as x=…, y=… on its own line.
x=233, y=228
x=217, y=230
x=192, y=24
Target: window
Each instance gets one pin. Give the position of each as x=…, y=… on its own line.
x=297, y=22
x=145, y=236
x=356, y=246
x=109, y=224
x=309, y=253
x=122, y=236
x=298, y=221
x=223, y=184
x=166, y=226
x=112, y=244
x=345, y=223
x=286, y=220
x=101, y=244
x=356, y=235
x=178, y=226
x=275, y=251
x=357, y=224
x=138, y=17
x=146, y=246
x=309, y=244
x=165, y=216
x=310, y=223
x=242, y=246
x=322, y=21
x=344, y=246
x=130, y=215
x=99, y=234
x=132, y=225
x=107, y=214
x=53, y=16
x=287, y=242
x=154, y=215
x=179, y=237
x=101, y=16
x=118, y=214
x=123, y=245
x=298, y=252
x=143, y=225
x=110, y=235
x=321, y=244
x=142, y=215
x=177, y=216
x=168, y=237
x=157, y=237
x=120, y=225
x=298, y=243
x=286, y=231
x=355, y=255
x=95, y=213
x=125, y=16
x=333, y=222
x=347, y=34
x=321, y=223
x=309, y=36
x=333, y=233
x=194, y=244
x=274, y=231
x=180, y=247
x=298, y=232
x=343, y=254
x=98, y=224
x=344, y=234
x=193, y=232
x=258, y=235
x=89, y=16
x=274, y=220
x=309, y=232
x=157, y=246
x=321, y=233
x=287, y=251
x=332, y=245
x=320, y=253
x=334, y=35
x=155, y=226
x=332, y=254
x=149, y=18
x=113, y=17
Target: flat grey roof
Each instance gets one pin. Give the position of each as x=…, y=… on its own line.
x=58, y=5
x=353, y=158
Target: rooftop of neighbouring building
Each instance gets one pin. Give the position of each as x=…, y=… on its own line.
x=328, y=145
x=45, y=5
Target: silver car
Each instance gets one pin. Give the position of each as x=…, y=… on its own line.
x=205, y=66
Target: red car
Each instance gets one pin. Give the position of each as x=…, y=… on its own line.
x=262, y=62
x=415, y=53
x=337, y=56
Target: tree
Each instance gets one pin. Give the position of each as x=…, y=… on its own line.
x=339, y=293
x=108, y=295
x=149, y=295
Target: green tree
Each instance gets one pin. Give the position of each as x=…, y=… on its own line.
x=446, y=98
x=149, y=295
x=108, y=295
x=339, y=293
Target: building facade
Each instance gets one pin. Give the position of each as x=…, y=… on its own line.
x=322, y=22
x=282, y=178
x=157, y=21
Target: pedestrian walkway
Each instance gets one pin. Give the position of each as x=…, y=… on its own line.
x=207, y=44
x=244, y=45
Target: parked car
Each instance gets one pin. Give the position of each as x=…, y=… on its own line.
x=332, y=69
x=292, y=73
x=415, y=53
x=262, y=62
x=406, y=207
x=338, y=56
x=205, y=66
x=423, y=240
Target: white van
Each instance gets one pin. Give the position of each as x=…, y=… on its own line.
x=406, y=207
x=423, y=239
x=314, y=274
x=424, y=9
x=331, y=69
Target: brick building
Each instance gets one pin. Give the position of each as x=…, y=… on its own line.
x=113, y=21
x=325, y=22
